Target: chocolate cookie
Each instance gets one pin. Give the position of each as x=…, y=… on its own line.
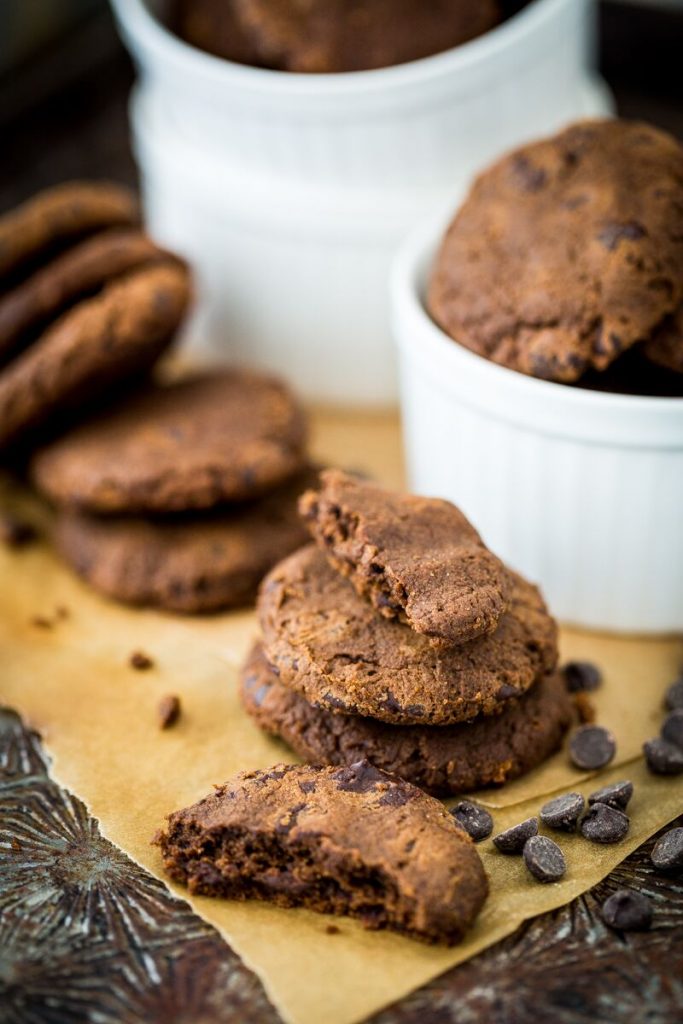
x=665, y=347
x=186, y=564
x=416, y=559
x=213, y=26
x=350, y=840
x=35, y=230
x=445, y=760
x=567, y=251
x=332, y=647
x=217, y=436
x=80, y=271
x=353, y=35
x=102, y=341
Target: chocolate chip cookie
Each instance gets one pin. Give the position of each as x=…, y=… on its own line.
x=196, y=563
x=446, y=760
x=100, y=342
x=32, y=232
x=353, y=35
x=418, y=560
x=217, y=436
x=79, y=272
x=333, y=648
x=567, y=252
x=350, y=840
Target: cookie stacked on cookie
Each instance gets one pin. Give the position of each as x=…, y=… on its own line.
x=400, y=637
x=183, y=496
x=88, y=303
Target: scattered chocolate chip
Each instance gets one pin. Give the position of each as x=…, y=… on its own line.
x=474, y=818
x=617, y=794
x=331, y=929
x=140, y=661
x=672, y=729
x=627, y=911
x=42, y=622
x=544, y=859
x=667, y=852
x=663, y=757
x=15, y=532
x=169, y=710
x=563, y=812
x=582, y=675
x=604, y=824
x=512, y=840
x=591, y=747
x=674, y=695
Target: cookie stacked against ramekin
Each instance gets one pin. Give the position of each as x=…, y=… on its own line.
x=177, y=493
x=398, y=636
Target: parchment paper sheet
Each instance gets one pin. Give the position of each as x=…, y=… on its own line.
x=97, y=717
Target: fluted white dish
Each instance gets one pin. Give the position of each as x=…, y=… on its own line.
x=581, y=491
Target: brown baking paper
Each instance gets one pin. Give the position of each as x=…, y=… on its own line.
x=72, y=681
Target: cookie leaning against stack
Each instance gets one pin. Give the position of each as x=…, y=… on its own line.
x=183, y=496
x=87, y=303
x=400, y=635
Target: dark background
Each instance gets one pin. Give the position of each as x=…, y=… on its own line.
x=63, y=93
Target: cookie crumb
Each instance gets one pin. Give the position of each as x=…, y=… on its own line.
x=15, y=844
x=585, y=708
x=331, y=929
x=62, y=612
x=15, y=532
x=169, y=710
x=42, y=622
x=140, y=661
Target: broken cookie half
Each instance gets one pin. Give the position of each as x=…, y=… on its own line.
x=350, y=840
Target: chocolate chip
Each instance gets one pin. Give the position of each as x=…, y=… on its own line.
x=15, y=532
x=331, y=929
x=582, y=675
x=591, y=747
x=672, y=729
x=475, y=819
x=663, y=757
x=674, y=695
x=613, y=233
x=168, y=711
x=584, y=708
x=604, y=824
x=512, y=840
x=544, y=859
x=140, y=661
x=617, y=794
x=668, y=850
x=627, y=911
x=563, y=812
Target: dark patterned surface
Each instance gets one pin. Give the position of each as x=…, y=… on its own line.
x=86, y=935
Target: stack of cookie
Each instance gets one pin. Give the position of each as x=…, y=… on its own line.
x=398, y=636
x=88, y=303
x=183, y=496
x=179, y=494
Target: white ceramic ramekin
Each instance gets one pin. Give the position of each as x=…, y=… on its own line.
x=419, y=123
x=291, y=192
x=579, y=490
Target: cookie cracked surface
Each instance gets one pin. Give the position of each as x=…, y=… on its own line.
x=415, y=559
x=566, y=252
x=349, y=840
x=444, y=761
x=332, y=647
x=214, y=437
